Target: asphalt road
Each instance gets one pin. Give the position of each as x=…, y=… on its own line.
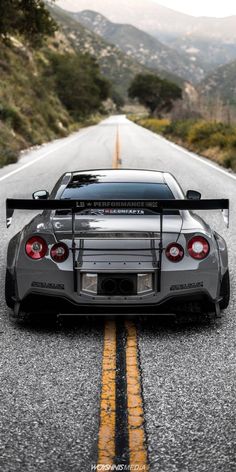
x=51, y=375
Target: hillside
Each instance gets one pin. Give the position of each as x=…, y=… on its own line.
x=30, y=110
x=141, y=46
x=117, y=66
x=221, y=84
x=210, y=53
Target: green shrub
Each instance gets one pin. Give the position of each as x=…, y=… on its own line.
x=7, y=156
x=15, y=120
x=180, y=128
x=210, y=134
x=232, y=141
x=218, y=139
x=11, y=116
x=229, y=160
x=9, y=146
x=155, y=125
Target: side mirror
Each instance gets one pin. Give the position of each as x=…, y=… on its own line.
x=40, y=195
x=193, y=195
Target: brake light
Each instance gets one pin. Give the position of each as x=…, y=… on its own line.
x=174, y=252
x=198, y=247
x=59, y=252
x=36, y=248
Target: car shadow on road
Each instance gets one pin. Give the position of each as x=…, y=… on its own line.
x=149, y=324
x=66, y=325
x=184, y=324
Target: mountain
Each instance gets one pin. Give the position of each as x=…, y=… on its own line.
x=209, y=53
x=156, y=19
x=207, y=42
x=216, y=96
x=117, y=66
x=220, y=84
x=141, y=46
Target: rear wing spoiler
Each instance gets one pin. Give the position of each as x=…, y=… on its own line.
x=157, y=206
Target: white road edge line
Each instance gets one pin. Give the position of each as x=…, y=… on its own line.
x=24, y=166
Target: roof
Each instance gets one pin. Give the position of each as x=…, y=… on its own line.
x=119, y=175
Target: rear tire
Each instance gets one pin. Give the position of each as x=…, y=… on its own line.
x=9, y=289
x=225, y=291
x=21, y=319
x=26, y=318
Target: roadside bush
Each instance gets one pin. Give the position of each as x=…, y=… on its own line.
x=15, y=120
x=229, y=160
x=180, y=128
x=219, y=139
x=7, y=156
x=11, y=116
x=232, y=141
x=155, y=125
x=210, y=134
x=9, y=146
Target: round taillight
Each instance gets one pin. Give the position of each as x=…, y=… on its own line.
x=36, y=248
x=198, y=247
x=174, y=252
x=59, y=252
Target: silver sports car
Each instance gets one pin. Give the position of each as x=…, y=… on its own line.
x=117, y=241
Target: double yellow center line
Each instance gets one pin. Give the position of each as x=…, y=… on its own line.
x=116, y=162
x=137, y=440
x=106, y=436
x=137, y=451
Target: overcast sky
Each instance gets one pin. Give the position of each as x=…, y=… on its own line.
x=218, y=8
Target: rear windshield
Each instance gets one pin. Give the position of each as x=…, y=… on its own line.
x=117, y=191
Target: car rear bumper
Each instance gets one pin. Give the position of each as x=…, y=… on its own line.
x=197, y=302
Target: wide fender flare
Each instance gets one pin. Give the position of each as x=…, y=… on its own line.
x=223, y=253
x=12, y=251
